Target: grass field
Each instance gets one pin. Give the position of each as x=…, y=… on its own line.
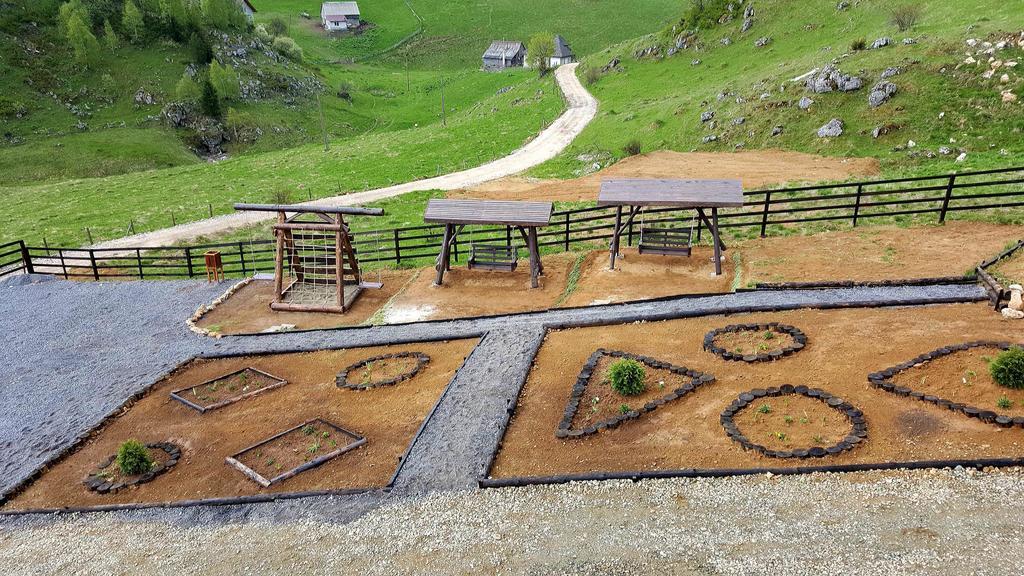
x=659, y=102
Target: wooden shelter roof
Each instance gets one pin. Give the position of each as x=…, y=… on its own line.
x=503, y=212
x=678, y=193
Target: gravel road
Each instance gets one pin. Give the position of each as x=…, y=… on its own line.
x=581, y=108
x=893, y=523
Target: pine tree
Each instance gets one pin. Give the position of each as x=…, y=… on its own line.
x=110, y=37
x=132, y=23
x=209, y=102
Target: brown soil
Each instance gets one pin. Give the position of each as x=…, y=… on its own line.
x=876, y=253
x=844, y=346
x=248, y=310
x=792, y=421
x=379, y=370
x=1010, y=270
x=248, y=381
x=112, y=473
x=287, y=452
x=388, y=417
x=600, y=402
x=963, y=377
x=755, y=168
x=753, y=342
x=480, y=292
x=640, y=276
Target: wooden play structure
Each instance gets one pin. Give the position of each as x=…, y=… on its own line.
x=315, y=254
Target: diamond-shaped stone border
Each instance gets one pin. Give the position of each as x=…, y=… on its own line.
x=421, y=361
x=97, y=483
x=565, y=430
x=858, y=432
x=799, y=341
x=883, y=381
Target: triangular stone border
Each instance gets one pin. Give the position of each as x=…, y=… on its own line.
x=565, y=430
x=883, y=381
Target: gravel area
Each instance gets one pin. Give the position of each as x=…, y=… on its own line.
x=923, y=522
x=75, y=351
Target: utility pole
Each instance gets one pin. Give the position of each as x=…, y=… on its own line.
x=323, y=126
x=444, y=119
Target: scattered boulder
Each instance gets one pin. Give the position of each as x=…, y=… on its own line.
x=945, y=150
x=804, y=103
x=881, y=43
x=143, y=98
x=707, y=116
x=709, y=139
x=830, y=79
x=748, y=12
x=776, y=131
x=726, y=41
x=1009, y=97
x=881, y=93
x=909, y=41
x=177, y=114
x=842, y=6
x=613, y=65
x=762, y=41
x=890, y=72
x=880, y=131
x=738, y=121
x=833, y=129
x=748, y=23
x=961, y=157
x=695, y=62
x=81, y=126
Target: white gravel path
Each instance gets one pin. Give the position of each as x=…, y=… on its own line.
x=923, y=522
x=581, y=109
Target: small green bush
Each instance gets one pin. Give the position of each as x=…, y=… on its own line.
x=627, y=377
x=858, y=45
x=592, y=75
x=288, y=48
x=1007, y=369
x=133, y=458
x=632, y=148
x=906, y=16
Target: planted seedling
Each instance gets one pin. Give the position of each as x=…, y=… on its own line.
x=308, y=429
x=788, y=419
x=818, y=439
x=1004, y=403
x=764, y=409
x=781, y=436
x=624, y=408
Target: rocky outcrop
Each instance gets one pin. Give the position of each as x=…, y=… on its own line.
x=833, y=129
x=881, y=93
x=707, y=116
x=831, y=79
x=881, y=43
x=804, y=103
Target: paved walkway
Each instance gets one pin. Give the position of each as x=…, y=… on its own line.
x=581, y=109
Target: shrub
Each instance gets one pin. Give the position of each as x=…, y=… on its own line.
x=288, y=48
x=209, y=101
x=592, y=75
x=345, y=90
x=632, y=148
x=224, y=80
x=627, y=377
x=1007, y=368
x=200, y=49
x=187, y=90
x=906, y=16
x=706, y=13
x=133, y=458
x=277, y=26
x=858, y=45
x=132, y=23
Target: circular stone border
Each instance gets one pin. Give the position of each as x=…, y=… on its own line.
x=421, y=360
x=883, y=381
x=855, y=416
x=97, y=483
x=799, y=341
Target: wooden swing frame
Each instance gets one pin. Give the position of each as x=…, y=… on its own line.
x=347, y=277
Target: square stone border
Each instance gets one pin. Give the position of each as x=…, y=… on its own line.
x=177, y=394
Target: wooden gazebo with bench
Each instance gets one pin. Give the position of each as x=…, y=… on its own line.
x=699, y=195
x=525, y=217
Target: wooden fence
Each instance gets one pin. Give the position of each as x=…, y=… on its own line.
x=765, y=212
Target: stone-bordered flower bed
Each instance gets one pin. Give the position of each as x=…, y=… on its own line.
x=693, y=380
x=227, y=389
x=857, y=433
x=755, y=342
x=884, y=380
x=108, y=479
x=382, y=370
x=293, y=451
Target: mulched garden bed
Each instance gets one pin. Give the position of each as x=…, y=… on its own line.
x=294, y=451
x=108, y=479
x=382, y=370
x=687, y=434
x=755, y=342
x=227, y=389
x=388, y=418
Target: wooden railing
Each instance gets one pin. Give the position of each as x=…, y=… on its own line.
x=765, y=212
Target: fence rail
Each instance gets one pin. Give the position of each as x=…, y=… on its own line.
x=764, y=211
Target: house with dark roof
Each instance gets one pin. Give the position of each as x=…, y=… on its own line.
x=247, y=8
x=504, y=54
x=563, y=53
x=339, y=15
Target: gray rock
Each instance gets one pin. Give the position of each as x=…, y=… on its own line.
x=830, y=79
x=726, y=41
x=762, y=41
x=881, y=43
x=804, y=103
x=81, y=126
x=707, y=116
x=890, y=72
x=842, y=6
x=695, y=62
x=709, y=138
x=738, y=121
x=776, y=131
x=833, y=129
x=881, y=93
x=177, y=114
x=748, y=23
x=143, y=98
x=909, y=41
x=945, y=150
x=748, y=12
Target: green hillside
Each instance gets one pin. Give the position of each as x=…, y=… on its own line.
x=940, y=102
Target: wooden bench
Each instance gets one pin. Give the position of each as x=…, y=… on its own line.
x=665, y=241
x=493, y=257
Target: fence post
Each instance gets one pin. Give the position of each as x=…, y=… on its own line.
x=138, y=258
x=188, y=261
x=26, y=258
x=566, y=231
x=764, y=215
x=63, y=265
x=241, y=257
x=398, y=248
x=945, y=201
x=95, y=269
x=856, y=204
x=629, y=233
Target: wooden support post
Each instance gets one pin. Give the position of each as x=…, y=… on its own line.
x=946, y=199
x=339, y=265
x=95, y=268
x=615, y=237
x=442, y=258
x=26, y=258
x=717, y=242
x=712, y=227
x=764, y=213
x=856, y=205
x=535, y=267
x=279, y=261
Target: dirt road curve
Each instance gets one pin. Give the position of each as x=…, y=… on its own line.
x=582, y=107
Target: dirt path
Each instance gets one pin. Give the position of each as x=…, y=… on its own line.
x=582, y=107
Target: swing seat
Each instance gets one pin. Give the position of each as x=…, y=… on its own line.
x=665, y=241
x=499, y=257
x=371, y=285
